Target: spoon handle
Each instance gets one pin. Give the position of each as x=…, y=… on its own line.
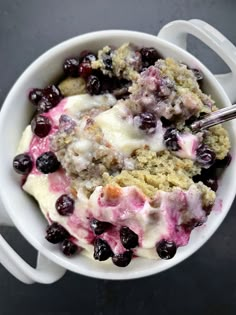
x=215, y=118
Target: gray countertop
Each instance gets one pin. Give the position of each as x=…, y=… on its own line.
x=203, y=284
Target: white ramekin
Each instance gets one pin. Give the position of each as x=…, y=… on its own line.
x=20, y=210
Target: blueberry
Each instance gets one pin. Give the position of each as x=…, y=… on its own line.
x=113, y=85
x=41, y=126
x=35, y=96
x=190, y=120
x=108, y=84
x=65, y=205
x=144, y=66
x=87, y=56
x=99, y=227
x=128, y=238
x=122, y=260
x=70, y=67
x=56, y=233
x=121, y=88
x=211, y=183
x=165, y=122
x=68, y=248
x=47, y=163
x=51, y=97
x=149, y=56
x=225, y=162
x=53, y=94
x=198, y=74
x=23, y=164
x=93, y=85
x=194, y=118
x=107, y=60
x=166, y=249
x=102, y=250
x=205, y=156
x=197, y=178
x=208, y=177
x=171, y=139
x=210, y=172
x=147, y=121
x=44, y=105
x=85, y=69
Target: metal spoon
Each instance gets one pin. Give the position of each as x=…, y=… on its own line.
x=215, y=118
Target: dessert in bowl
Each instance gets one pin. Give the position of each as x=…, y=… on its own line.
x=111, y=159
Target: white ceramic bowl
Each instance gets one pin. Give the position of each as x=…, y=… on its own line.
x=23, y=212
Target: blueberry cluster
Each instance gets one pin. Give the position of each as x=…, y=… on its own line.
x=56, y=234
x=103, y=251
x=209, y=175
x=45, y=99
x=166, y=249
x=96, y=81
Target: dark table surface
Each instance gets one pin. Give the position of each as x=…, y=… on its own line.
x=203, y=284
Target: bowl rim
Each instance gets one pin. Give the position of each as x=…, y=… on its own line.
x=63, y=261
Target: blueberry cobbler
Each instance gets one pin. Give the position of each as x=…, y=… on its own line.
x=112, y=161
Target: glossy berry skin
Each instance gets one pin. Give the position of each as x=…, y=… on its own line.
x=70, y=67
x=99, y=227
x=149, y=56
x=45, y=99
x=68, y=248
x=171, y=139
x=147, y=121
x=107, y=60
x=102, y=250
x=51, y=97
x=93, y=85
x=65, y=205
x=53, y=94
x=56, y=233
x=87, y=56
x=85, y=69
x=166, y=249
x=47, y=163
x=128, y=238
x=122, y=260
x=35, y=96
x=205, y=156
x=41, y=126
x=44, y=105
x=23, y=164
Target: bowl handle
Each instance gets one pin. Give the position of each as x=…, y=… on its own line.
x=176, y=33
x=45, y=272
